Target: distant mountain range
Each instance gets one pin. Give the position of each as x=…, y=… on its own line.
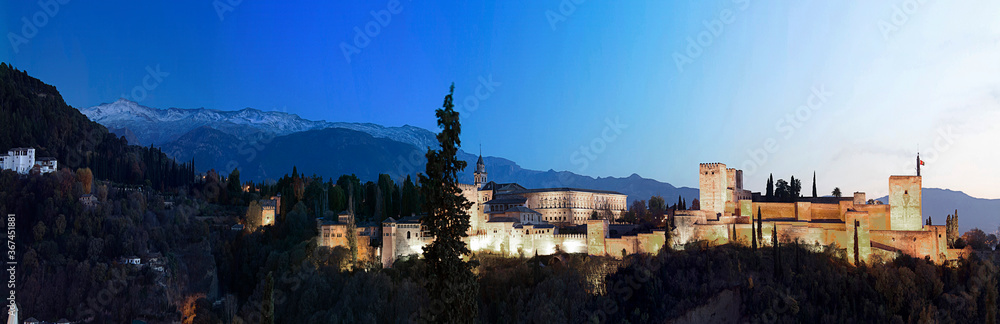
x=972, y=212
x=261, y=145
x=160, y=126
x=265, y=145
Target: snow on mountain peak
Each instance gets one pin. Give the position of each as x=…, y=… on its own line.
x=158, y=126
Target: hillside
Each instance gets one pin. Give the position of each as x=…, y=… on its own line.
x=34, y=115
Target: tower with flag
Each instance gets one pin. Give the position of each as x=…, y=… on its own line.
x=919, y=163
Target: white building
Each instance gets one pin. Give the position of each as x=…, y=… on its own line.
x=22, y=160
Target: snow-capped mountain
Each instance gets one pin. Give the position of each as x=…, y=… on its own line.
x=159, y=126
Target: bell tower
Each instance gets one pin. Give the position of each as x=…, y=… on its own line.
x=480, y=174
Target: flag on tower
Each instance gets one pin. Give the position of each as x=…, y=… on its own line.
x=921, y=162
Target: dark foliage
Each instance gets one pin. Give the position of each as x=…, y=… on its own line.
x=34, y=115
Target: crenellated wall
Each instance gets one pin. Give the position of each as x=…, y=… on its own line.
x=930, y=241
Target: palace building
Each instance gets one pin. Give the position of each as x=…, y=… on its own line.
x=509, y=219
x=880, y=231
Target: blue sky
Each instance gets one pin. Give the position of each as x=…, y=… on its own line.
x=849, y=90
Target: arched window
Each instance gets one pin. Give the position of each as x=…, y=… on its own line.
x=407, y=235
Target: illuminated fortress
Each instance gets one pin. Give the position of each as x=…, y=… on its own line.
x=508, y=219
x=883, y=230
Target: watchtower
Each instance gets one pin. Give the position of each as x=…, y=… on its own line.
x=712, y=184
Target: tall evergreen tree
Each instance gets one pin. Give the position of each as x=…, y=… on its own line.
x=409, y=198
x=267, y=304
x=760, y=226
x=796, y=188
x=452, y=285
x=770, y=186
x=857, y=250
x=753, y=235
x=814, y=184
x=777, y=250
x=668, y=239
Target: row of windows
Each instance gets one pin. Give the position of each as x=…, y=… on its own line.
x=588, y=206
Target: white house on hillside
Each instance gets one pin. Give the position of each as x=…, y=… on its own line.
x=22, y=160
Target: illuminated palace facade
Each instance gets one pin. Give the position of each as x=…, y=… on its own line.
x=881, y=231
x=508, y=219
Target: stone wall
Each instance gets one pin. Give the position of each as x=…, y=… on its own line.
x=773, y=210
x=878, y=216
x=929, y=242
x=863, y=235
x=571, y=243
x=825, y=212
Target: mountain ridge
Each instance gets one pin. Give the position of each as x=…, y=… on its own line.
x=158, y=126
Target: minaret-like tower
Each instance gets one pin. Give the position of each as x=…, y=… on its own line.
x=918, y=163
x=480, y=173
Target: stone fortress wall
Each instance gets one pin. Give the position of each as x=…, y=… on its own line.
x=725, y=217
x=881, y=229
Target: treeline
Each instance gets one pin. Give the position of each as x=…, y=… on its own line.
x=34, y=115
x=69, y=254
x=309, y=286
x=373, y=201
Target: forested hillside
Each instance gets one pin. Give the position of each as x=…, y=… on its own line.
x=33, y=114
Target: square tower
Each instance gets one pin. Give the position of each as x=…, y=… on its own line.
x=905, y=207
x=712, y=184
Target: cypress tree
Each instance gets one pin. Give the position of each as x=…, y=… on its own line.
x=732, y=234
x=857, y=251
x=267, y=305
x=667, y=235
x=753, y=236
x=777, y=252
x=814, y=184
x=770, y=186
x=760, y=225
x=451, y=284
